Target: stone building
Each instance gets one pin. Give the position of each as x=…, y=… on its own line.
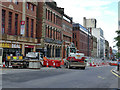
x=94, y=47
x=107, y=49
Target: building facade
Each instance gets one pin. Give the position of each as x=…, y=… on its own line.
x=107, y=49
x=82, y=39
x=49, y=29
x=66, y=33
x=18, y=28
x=94, y=47
x=98, y=33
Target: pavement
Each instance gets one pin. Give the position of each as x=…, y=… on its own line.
x=99, y=77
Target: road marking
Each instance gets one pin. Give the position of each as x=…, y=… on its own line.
x=115, y=74
x=101, y=77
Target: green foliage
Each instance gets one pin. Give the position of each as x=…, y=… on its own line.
x=117, y=39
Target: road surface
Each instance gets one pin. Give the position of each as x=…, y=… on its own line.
x=91, y=77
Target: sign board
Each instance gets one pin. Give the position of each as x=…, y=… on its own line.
x=22, y=29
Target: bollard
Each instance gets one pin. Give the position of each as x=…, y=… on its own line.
x=118, y=67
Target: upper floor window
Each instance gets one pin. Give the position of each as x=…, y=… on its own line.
x=28, y=6
x=9, y=0
x=16, y=2
x=3, y=21
x=32, y=7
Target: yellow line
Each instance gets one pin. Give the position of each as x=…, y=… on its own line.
x=115, y=74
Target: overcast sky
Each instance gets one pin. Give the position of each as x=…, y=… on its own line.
x=105, y=11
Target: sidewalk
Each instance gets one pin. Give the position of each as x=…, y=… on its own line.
x=116, y=72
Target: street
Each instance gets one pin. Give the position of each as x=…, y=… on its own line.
x=91, y=77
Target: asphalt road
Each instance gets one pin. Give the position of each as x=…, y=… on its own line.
x=99, y=77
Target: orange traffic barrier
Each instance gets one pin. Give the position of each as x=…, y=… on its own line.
x=62, y=63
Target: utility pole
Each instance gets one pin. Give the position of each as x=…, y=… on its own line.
x=88, y=42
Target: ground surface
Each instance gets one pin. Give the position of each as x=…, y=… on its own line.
x=91, y=77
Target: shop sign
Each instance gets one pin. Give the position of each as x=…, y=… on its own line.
x=22, y=22
x=16, y=46
x=22, y=29
x=4, y=45
x=29, y=46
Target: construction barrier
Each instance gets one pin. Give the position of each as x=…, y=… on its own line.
x=51, y=63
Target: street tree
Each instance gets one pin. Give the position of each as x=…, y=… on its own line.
x=117, y=39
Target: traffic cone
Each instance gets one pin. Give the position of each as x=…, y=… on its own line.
x=62, y=63
x=4, y=64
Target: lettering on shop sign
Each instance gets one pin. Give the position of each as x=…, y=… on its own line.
x=5, y=45
x=15, y=46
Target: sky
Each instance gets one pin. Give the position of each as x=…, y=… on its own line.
x=104, y=11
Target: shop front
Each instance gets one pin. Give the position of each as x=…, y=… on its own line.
x=10, y=49
x=29, y=48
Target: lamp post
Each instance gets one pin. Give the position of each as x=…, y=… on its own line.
x=88, y=42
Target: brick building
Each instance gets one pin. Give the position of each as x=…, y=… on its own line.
x=49, y=29
x=66, y=33
x=18, y=27
x=80, y=39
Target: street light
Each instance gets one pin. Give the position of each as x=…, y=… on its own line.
x=88, y=42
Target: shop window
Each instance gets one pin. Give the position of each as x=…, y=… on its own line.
x=48, y=52
x=27, y=27
x=16, y=23
x=10, y=23
x=3, y=21
x=32, y=27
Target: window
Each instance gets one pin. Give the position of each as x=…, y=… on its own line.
x=73, y=35
x=10, y=0
x=32, y=7
x=32, y=27
x=48, y=31
x=51, y=16
x=27, y=26
x=28, y=6
x=54, y=34
x=48, y=15
x=10, y=23
x=54, y=18
x=16, y=23
x=51, y=32
x=76, y=43
x=3, y=21
x=16, y=2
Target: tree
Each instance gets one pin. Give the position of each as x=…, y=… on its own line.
x=117, y=39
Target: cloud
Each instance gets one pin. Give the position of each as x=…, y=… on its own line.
x=102, y=10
